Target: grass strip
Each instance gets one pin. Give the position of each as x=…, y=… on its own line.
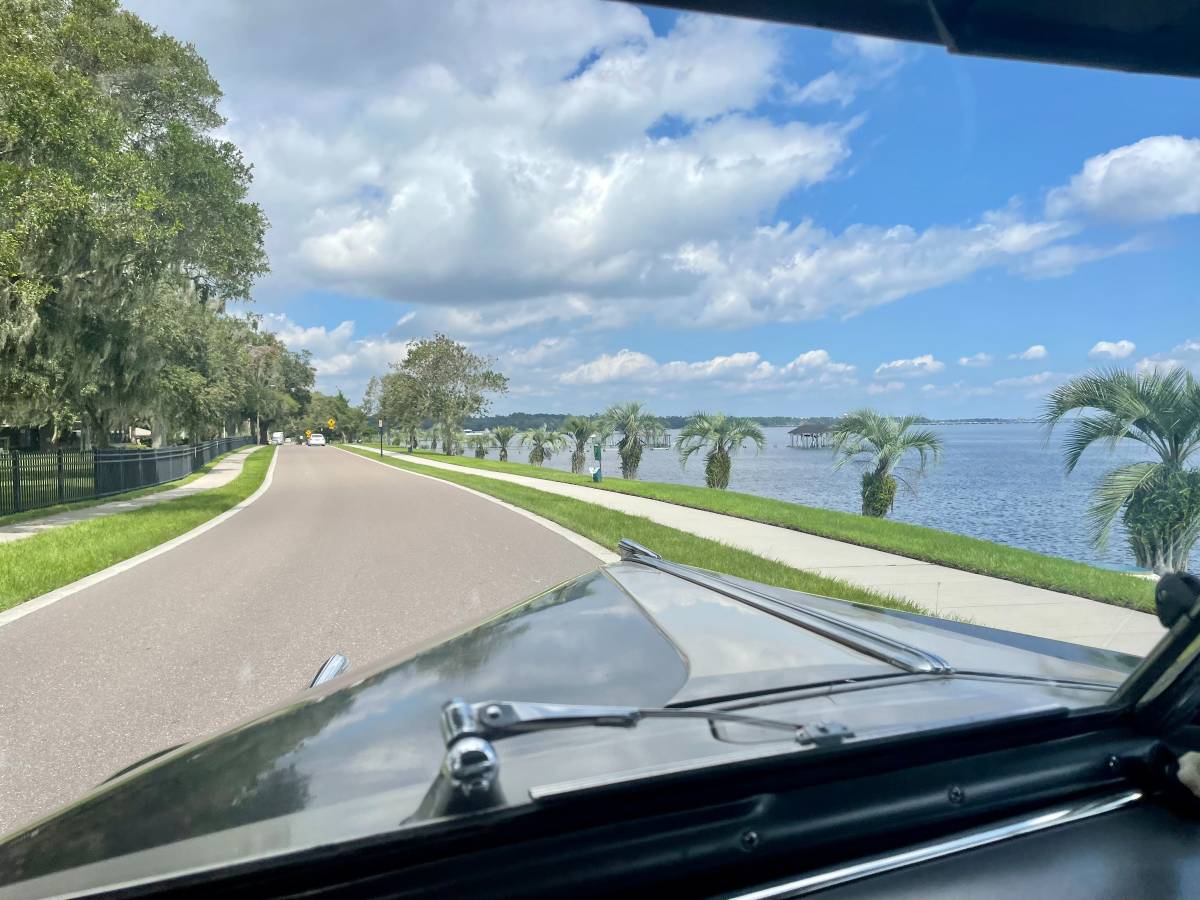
x=914, y=541
x=35, y=565
x=43, y=511
x=607, y=526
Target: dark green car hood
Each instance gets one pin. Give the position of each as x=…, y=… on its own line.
x=355, y=757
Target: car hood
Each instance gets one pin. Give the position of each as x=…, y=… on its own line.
x=356, y=757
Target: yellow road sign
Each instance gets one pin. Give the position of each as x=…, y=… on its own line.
x=332, y=423
x=308, y=433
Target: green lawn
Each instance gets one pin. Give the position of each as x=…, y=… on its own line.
x=43, y=511
x=914, y=541
x=33, y=566
x=606, y=527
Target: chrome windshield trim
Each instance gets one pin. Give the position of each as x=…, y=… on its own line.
x=897, y=653
x=980, y=837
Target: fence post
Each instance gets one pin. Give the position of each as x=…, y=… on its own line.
x=61, y=486
x=16, y=480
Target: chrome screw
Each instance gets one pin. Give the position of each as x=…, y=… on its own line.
x=956, y=794
x=493, y=713
x=1112, y=764
x=749, y=840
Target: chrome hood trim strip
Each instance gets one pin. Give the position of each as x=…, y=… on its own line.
x=980, y=837
x=897, y=653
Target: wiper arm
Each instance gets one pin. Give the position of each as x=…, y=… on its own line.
x=495, y=719
x=468, y=777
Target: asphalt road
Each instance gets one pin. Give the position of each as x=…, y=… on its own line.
x=340, y=553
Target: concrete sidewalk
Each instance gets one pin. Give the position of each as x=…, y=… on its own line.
x=979, y=598
x=220, y=474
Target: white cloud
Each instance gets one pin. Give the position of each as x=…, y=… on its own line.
x=509, y=170
x=624, y=365
x=1112, y=349
x=1058, y=260
x=1153, y=179
x=887, y=387
x=737, y=371
x=340, y=359
x=792, y=273
x=1037, y=351
x=1182, y=356
x=865, y=62
x=976, y=360
x=910, y=368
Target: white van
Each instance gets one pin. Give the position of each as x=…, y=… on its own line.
x=277, y=437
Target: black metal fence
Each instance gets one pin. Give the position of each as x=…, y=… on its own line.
x=33, y=480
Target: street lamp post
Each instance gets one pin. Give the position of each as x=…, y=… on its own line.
x=381, y=436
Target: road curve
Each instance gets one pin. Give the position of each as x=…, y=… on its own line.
x=339, y=554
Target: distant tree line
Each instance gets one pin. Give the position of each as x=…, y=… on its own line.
x=524, y=421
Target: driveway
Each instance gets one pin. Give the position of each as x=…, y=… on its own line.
x=341, y=553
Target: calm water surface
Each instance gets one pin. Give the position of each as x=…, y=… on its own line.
x=998, y=482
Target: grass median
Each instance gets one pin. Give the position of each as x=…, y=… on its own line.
x=43, y=511
x=35, y=565
x=606, y=527
x=914, y=541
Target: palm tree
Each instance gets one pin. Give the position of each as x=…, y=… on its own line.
x=723, y=435
x=579, y=429
x=1161, y=498
x=637, y=427
x=479, y=443
x=881, y=442
x=503, y=436
x=542, y=443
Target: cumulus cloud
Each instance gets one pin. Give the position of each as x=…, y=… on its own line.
x=886, y=387
x=341, y=360
x=738, y=371
x=1037, y=351
x=910, y=368
x=1112, y=349
x=976, y=360
x=509, y=169
x=1182, y=356
x=1153, y=179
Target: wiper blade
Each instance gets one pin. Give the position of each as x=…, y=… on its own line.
x=470, y=766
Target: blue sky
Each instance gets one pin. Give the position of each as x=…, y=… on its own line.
x=620, y=203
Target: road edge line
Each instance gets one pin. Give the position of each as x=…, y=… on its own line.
x=33, y=605
x=599, y=551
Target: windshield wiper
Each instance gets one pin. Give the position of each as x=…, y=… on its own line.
x=468, y=782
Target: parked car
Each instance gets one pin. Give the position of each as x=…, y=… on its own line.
x=317, y=440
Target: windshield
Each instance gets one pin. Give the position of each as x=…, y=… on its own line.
x=888, y=352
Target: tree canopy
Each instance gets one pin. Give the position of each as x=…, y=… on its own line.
x=125, y=229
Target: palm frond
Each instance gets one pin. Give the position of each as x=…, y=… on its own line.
x=1113, y=493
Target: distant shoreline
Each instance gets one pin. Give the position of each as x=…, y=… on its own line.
x=523, y=420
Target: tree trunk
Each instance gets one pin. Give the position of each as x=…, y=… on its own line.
x=631, y=458
x=578, y=461
x=716, y=469
x=878, y=494
x=503, y=454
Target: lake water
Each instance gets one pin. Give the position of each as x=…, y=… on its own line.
x=997, y=482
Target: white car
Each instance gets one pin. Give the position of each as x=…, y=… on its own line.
x=317, y=440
